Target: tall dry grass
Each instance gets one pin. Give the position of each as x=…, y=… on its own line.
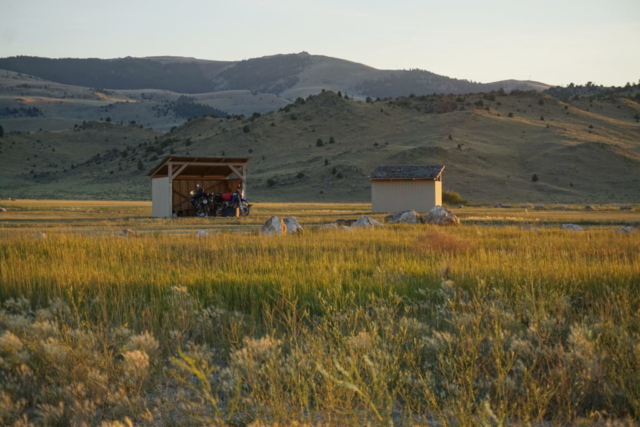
x=329, y=328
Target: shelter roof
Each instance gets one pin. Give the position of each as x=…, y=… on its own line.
x=406, y=172
x=198, y=166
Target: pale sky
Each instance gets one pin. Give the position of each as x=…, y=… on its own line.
x=555, y=42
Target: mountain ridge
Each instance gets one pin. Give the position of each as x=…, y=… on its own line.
x=277, y=74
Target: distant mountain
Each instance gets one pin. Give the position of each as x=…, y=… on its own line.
x=289, y=76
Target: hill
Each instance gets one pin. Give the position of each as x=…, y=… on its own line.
x=288, y=76
x=322, y=148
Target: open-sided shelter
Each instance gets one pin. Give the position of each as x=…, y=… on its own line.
x=176, y=176
x=401, y=188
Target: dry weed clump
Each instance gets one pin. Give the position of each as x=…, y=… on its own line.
x=440, y=241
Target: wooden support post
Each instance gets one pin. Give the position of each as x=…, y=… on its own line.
x=239, y=170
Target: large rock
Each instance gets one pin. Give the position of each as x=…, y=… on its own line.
x=627, y=229
x=202, y=233
x=440, y=216
x=274, y=226
x=367, y=222
x=540, y=207
x=405, y=217
x=330, y=226
x=589, y=208
x=530, y=228
x=40, y=235
x=571, y=227
x=125, y=232
x=3, y=209
x=560, y=208
x=292, y=224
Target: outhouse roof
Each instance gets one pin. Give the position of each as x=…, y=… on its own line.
x=198, y=166
x=406, y=172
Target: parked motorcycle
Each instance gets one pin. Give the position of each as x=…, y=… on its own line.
x=231, y=200
x=200, y=200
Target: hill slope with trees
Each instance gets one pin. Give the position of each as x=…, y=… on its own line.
x=322, y=148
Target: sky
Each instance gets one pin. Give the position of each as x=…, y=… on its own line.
x=555, y=42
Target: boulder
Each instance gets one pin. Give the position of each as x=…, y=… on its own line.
x=560, y=208
x=330, y=226
x=274, y=226
x=125, y=232
x=202, y=233
x=572, y=227
x=460, y=206
x=440, y=216
x=530, y=228
x=366, y=222
x=589, y=208
x=345, y=222
x=405, y=217
x=625, y=208
x=292, y=224
x=3, y=209
x=40, y=235
x=628, y=229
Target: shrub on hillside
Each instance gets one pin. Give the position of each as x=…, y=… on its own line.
x=453, y=198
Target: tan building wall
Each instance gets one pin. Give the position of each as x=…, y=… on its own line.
x=161, y=197
x=402, y=195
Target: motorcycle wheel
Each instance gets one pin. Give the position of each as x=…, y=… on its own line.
x=244, y=210
x=200, y=211
x=219, y=210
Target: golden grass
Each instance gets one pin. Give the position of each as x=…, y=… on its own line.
x=405, y=325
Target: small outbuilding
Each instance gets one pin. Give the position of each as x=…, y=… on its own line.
x=401, y=188
x=176, y=176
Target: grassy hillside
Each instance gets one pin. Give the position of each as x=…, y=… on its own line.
x=322, y=149
x=28, y=103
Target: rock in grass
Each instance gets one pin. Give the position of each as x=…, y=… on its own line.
x=202, y=233
x=3, y=209
x=292, y=224
x=274, y=226
x=572, y=227
x=367, y=222
x=530, y=228
x=405, y=217
x=560, y=208
x=125, y=232
x=628, y=229
x=440, y=216
x=330, y=226
x=40, y=235
x=589, y=208
x=540, y=207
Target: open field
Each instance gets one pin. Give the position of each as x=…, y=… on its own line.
x=484, y=324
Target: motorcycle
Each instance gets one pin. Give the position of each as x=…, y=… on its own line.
x=231, y=200
x=200, y=200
